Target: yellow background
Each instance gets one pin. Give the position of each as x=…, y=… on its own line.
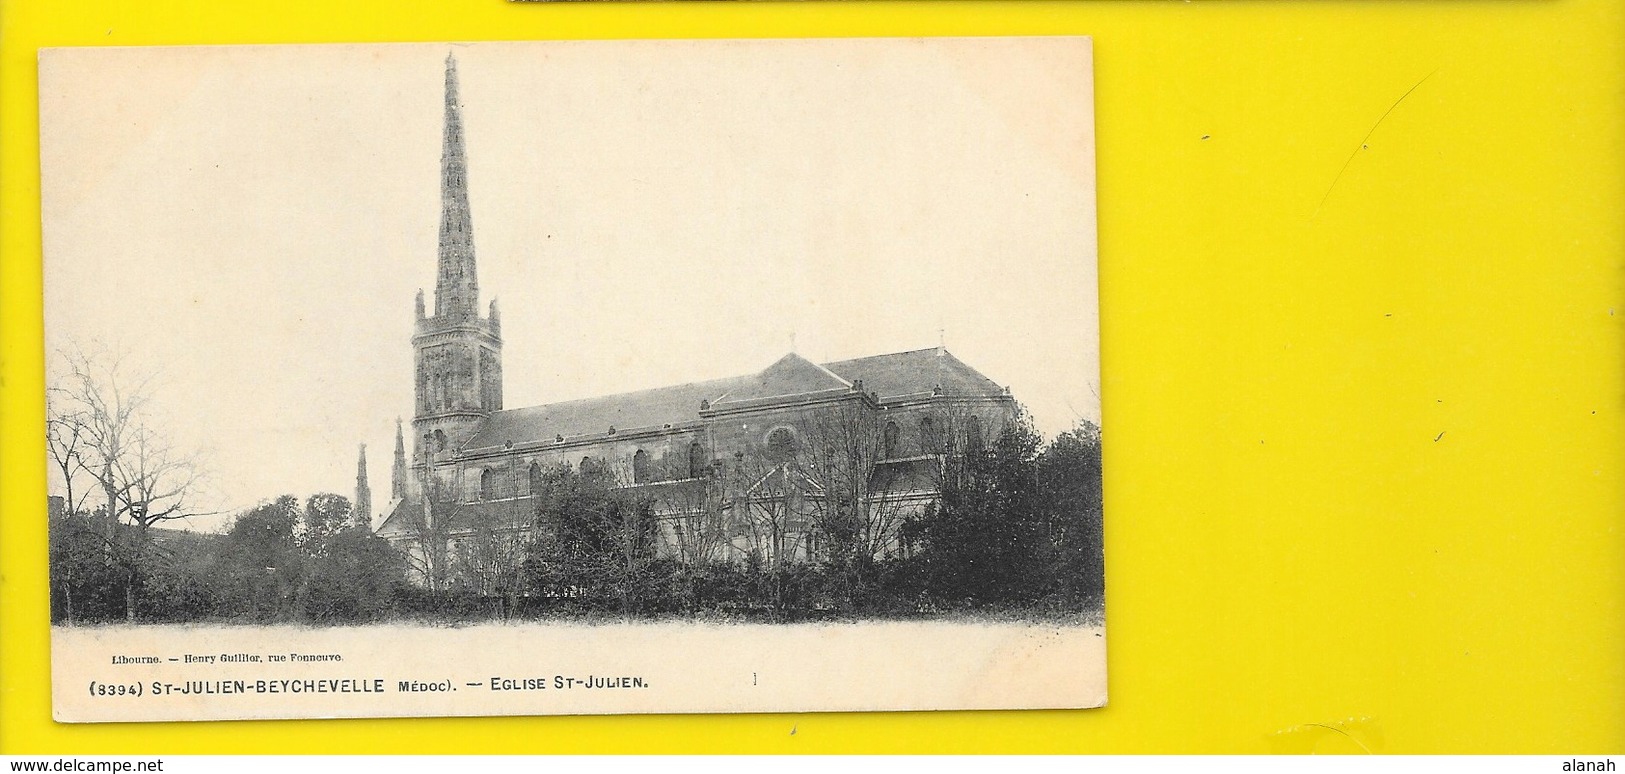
x=1362, y=374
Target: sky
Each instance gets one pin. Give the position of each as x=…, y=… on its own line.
x=251, y=224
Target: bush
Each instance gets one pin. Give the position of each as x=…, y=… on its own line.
x=1017, y=527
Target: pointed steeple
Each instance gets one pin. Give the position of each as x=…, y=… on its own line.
x=457, y=353
x=397, y=477
x=457, y=290
x=363, y=493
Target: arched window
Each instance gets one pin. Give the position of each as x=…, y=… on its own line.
x=781, y=444
x=696, y=460
x=488, y=484
x=439, y=440
x=640, y=467
x=973, y=433
x=929, y=442
x=535, y=478
x=889, y=441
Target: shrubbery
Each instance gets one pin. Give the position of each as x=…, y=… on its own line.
x=1016, y=529
x=276, y=564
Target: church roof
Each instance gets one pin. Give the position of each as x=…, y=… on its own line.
x=643, y=408
x=405, y=516
x=499, y=514
x=922, y=370
x=901, y=373
x=791, y=375
x=399, y=516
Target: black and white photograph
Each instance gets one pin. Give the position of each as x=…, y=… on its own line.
x=572, y=378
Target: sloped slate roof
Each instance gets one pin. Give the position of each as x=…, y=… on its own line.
x=396, y=516
x=456, y=517
x=498, y=514
x=901, y=373
x=644, y=408
x=791, y=375
x=905, y=373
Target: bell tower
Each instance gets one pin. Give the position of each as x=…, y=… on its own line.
x=457, y=351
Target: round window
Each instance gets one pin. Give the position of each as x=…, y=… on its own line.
x=781, y=444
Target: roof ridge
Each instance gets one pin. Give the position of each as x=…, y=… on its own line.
x=886, y=354
x=820, y=366
x=838, y=377
x=751, y=387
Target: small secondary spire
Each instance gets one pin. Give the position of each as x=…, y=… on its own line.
x=397, y=478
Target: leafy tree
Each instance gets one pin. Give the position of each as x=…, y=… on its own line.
x=179, y=579
x=356, y=578
x=263, y=564
x=325, y=515
x=985, y=540
x=282, y=561
x=1070, y=476
x=89, y=572
x=596, y=545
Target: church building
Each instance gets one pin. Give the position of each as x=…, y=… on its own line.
x=755, y=465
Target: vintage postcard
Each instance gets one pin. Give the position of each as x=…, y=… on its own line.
x=791, y=401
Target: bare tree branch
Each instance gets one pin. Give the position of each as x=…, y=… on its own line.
x=100, y=434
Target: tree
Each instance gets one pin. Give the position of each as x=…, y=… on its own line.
x=491, y=560
x=691, y=520
x=284, y=561
x=593, y=545
x=264, y=566
x=99, y=429
x=350, y=573
x=113, y=460
x=428, y=550
x=67, y=443
x=767, y=516
x=1070, y=478
x=690, y=505
x=325, y=515
x=985, y=541
x=856, y=503
x=88, y=573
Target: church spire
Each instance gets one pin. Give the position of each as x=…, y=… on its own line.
x=363, y=493
x=397, y=477
x=457, y=290
x=457, y=353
